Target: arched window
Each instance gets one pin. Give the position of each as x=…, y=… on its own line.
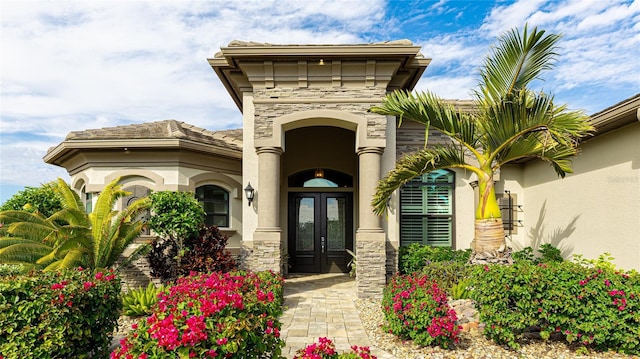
x=426, y=209
x=215, y=201
x=138, y=192
x=320, y=177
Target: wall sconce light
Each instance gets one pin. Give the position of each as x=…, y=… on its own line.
x=321, y=63
x=319, y=173
x=248, y=192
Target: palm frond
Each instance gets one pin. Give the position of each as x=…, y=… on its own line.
x=515, y=61
x=12, y=216
x=27, y=252
x=31, y=230
x=428, y=109
x=69, y=198
x=528, y=126
x=70, y=260
x=102, y=216
x=72, y=216
x=413, y=165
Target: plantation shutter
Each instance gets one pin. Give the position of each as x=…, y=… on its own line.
x=426, y=210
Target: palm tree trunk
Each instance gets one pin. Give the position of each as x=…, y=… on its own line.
x=489, y=230
x=489, y=235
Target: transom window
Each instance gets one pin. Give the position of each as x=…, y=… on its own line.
x=426, y=209
x=215, y=201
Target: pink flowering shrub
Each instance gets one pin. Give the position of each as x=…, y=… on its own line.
x=325, y=349
x=225, y=315
x=596, y=308
x=68, y=314
x=415, y=308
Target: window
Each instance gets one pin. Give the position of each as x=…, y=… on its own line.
x=426, y=209
x=509, y=209
x=215, y=202
x=88, y=202
x=138, y=192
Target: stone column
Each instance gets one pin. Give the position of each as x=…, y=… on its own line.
x=370, y=238
x=267, y=237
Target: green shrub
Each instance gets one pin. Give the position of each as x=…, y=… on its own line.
x=526, y=254
x=549, y=254
x=461, y=290
x=447, y=274
x=594, y=308
x=414, y=257
x=415, y=308
x=69, y=314
x=226, y=315
x=176, y=216
x=202, y=252
x=43, y=199
x=138, y=302
x=11, y=269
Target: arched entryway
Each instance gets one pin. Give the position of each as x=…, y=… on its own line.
x=321, y=167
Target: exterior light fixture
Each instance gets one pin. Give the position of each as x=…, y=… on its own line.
x=248, y=192
x=319, y=173
x=321, y=63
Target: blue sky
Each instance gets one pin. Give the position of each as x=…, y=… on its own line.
x=74, y=65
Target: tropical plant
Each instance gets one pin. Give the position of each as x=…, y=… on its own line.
x=416, y=308
x=215, y=315
x=42, y=199
x=138, y=302
x=58, y=314
x=71, y=237
x=175, y=217
x=510, y=122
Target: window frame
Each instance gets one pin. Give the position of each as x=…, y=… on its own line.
x=214, y=215
x=420, y=182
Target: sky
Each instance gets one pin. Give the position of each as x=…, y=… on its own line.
x=75, y=65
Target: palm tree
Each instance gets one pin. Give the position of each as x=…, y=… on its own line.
x=510, y=122
x=71, y=237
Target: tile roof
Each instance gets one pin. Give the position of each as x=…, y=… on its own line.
x=167, y=129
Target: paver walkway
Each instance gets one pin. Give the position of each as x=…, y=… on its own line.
x=322, y=305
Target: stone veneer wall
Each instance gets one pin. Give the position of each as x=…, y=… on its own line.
x=266, y=255
x=265, y=113
x=410, y=138
x=370, y=268
x=372, y=255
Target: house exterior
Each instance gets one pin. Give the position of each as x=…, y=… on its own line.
x=314, y=154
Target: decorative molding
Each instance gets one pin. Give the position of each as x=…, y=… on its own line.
x=298, y=100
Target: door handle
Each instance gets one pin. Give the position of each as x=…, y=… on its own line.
x=322, y=244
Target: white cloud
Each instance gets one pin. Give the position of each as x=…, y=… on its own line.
x=73, y=65
x=458, y=88
x=502, y=18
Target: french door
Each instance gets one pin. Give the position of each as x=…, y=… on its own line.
x=320, y=231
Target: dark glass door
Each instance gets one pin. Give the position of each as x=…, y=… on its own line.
x=320, y=229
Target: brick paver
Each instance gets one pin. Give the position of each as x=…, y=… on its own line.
x=322, y=305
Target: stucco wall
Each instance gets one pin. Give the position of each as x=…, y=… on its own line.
x=594, y=210
x=170, y=178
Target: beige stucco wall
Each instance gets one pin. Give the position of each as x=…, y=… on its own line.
x=594, y=210
x=249, y=171
x=510, y=178
x=169, y=178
